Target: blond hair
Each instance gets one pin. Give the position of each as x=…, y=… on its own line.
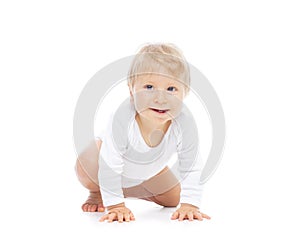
x=160, y=58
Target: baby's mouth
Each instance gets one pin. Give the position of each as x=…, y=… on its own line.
x=159, y=111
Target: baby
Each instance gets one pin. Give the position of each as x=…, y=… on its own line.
x=133, y=154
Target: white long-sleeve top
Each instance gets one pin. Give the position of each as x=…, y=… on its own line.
x=125, y=160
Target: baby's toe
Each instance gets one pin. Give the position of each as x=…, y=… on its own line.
x=84, y=207
x=89, y=207
x=93, y=208
x=101, y=208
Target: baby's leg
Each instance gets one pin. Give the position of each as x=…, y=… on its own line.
x=87, y=172
x=169, y=198
x=165, y=188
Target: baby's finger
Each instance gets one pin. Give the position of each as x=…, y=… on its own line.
x=190, y=216
x=103, y=218
x=174, y=215
x=127, y=217
x=111, y=217
x=205, y=216
x=198, y=216
x=182, y=216
x=132, y=216
x=120, y=217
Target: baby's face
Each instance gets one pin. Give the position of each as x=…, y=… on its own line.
x=157, y=97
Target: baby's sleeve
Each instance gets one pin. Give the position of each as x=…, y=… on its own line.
x=190, y=163
x=110, y=170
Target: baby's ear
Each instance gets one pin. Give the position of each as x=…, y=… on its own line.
x=130, y=88
x=186, y=91
x=131, y=96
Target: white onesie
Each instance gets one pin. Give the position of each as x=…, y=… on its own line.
x=125, y=160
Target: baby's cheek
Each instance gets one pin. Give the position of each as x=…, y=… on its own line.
x=141, y=102
x=176, y=108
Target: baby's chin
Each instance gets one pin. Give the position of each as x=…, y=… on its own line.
x=155, y=117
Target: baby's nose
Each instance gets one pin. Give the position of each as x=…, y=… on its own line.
x=160, y=96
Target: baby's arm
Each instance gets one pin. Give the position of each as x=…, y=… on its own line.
x=189, y=167
x=110, y=177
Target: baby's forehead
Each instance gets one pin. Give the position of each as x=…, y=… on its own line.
x=158, y=78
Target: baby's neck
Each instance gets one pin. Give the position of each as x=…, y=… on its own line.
x=149, y=127
x=152, y=133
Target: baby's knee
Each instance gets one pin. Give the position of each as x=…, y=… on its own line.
x=170, y=198
x=88, y=181
x=171, y=203
x=174, y=198
x=80, y=172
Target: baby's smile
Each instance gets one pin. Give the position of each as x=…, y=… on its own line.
x=159, y=110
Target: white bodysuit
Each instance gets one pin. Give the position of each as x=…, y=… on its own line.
x=125, y=160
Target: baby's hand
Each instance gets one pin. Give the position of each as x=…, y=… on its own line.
x=119, y=213
x=190, y=212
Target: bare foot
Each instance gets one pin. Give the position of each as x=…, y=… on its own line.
x=93, y=203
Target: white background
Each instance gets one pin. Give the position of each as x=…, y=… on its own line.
x=249, y=51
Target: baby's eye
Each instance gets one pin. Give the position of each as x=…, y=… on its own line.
x=149, y=87
x=172, y=88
